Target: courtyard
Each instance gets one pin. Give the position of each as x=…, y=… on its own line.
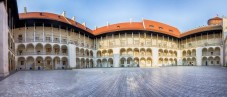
x=118, y=82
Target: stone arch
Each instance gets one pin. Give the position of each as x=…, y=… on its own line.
x=21, y=63
x=56, y=49
x=48, y=49
x=204, y=52
x=48, y=63
x=122, y=51
x=64, y=49
x=149, y=62
x=30, y=63
x=30, y=48
x=39, y=49
x=39, y=63
x=110, y=62
x=142, y=62
x=122, y=62
x=21, y=49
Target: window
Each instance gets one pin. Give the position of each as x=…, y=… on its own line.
x=211, y=53
x=211, y=62
x=39, y=62
x=36, y=38
x=217, y=62
x=64, y=63
x=47, y=38
x=151, y=26
x=170, y=30
x=160, y=28
x=118, y=26
x=22, y=63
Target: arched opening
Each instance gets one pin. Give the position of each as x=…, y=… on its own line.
x=87, y=63
x=86, y=53
x=48, y=49
x=149, y=62
x=130, y=52
x=166, y=52
x=166, y=62
x=193, y=52
x=149, y=52
x=48, y=63
x=21, y=63
x=171, y=62
x=82, y=53
x=30, y=63
x=160, y=52
x=91, y=54
x=170, y=53
x=194, y=61
x=184, y=53
x=217, y=61
x=189, y=61
x=204, y=61
x=189, y=53
x=175, y=62
x=39, y=49
x=142, y=52
x=64, y=49
x=64, y=63
x=136, y=52
x=175, y=53
x=30, y=49
x=210, y=61
x=160, y=61
x=110, y=61
x=77, y=52
x=210, y=52
x=104, y=53
x=122, y=52
x=78, y=63
x=110, y=51
x=99, y=63
x=98, y=54
x=123, y=62
x=129, y=62
x=39, y=63
x=142, y=62
x=217, y=51
x=104, y=63
x=91, y=63
x=56, y=63
x=82, y=63
x=136, y=62
x=56, y=49
x=20, y=49
x=184, y=61
x=204, y=52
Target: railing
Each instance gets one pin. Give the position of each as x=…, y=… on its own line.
x=41, y=53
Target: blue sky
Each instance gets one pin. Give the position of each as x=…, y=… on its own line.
x=183, y=14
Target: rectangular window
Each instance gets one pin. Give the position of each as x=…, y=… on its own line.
x=217, y=62
x=211, y=62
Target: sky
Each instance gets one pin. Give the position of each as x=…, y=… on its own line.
x=182, y=14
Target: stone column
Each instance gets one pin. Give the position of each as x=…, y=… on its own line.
x=199, y=56
x=116, y=57
x=3, y=41
x=155, y=56
x=72, y=55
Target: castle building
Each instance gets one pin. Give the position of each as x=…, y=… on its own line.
x=47, y=41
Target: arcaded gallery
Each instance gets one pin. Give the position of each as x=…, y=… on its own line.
x=48, y=41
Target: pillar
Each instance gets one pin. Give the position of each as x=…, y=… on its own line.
x=3, y=41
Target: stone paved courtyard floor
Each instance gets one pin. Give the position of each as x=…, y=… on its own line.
x=118, y=82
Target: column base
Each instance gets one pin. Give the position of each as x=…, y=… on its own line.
x=4, y=74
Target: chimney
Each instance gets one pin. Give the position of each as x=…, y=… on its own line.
x=84, y=24
x=73, y=18
x=107, y=24
x=63, y=13
x=130, y=20
x=25, y=9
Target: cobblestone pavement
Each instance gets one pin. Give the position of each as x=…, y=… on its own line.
x=118, y=82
